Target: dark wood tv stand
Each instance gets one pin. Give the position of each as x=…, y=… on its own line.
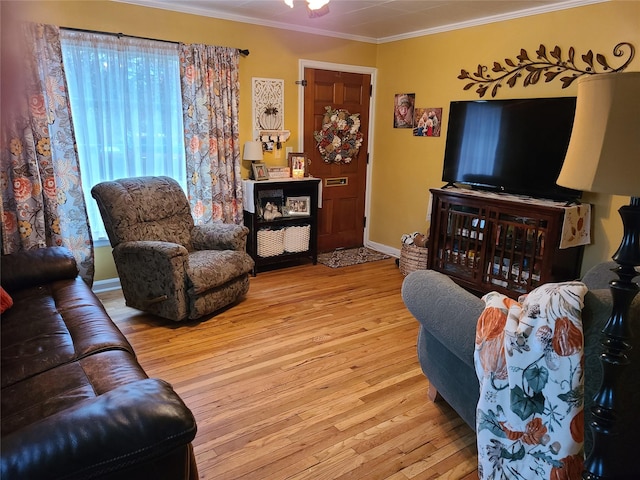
x=494, y=242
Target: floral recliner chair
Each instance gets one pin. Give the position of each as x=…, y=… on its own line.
x=167, y=265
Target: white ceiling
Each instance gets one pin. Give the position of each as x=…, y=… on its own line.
x=375, y=21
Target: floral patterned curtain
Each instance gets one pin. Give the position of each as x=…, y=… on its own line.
x=210, y=93
x=42, y=201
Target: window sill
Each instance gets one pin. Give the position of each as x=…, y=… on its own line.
x=103, y=242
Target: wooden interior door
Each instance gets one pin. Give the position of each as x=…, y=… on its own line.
x=341, y=219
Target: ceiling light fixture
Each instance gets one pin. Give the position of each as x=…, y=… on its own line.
x=317, y=8
x=317, y=4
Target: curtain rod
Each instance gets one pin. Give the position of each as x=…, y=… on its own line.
x=244, y=52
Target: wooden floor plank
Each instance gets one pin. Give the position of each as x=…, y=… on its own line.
x=313, y=375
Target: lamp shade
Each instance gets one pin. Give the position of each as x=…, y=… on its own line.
x=252, y=151
x=604, y=150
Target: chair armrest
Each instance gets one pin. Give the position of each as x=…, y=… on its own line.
x=151, y=248
x=142, y=263
x=600, y=275
x=37, y=267
x=154, y=276
x=127, y=426
x=444, y=309
x=219, y=236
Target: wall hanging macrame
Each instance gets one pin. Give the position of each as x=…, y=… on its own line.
x=340, y=138
x=546, y=64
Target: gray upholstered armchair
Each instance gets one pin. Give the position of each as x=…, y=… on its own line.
x=448, y=316
x=167, y=265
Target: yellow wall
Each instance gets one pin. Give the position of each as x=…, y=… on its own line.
x=403, y=167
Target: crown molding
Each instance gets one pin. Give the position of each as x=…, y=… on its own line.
x=214, y=13
x=529, y=12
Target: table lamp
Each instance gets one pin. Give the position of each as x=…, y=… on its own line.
x=604, y=156
x=253, y=153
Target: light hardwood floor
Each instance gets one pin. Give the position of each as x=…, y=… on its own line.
x=313, y=375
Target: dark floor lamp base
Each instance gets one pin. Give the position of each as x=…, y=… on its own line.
x=613, y=421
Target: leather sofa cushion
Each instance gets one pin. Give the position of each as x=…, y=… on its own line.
x=54, y=324
x=63, y=387
x=36, y=267
x=120, y=434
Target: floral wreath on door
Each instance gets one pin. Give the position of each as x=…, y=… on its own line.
x=340, y=138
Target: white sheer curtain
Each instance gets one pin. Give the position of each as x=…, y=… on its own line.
x=127, y=109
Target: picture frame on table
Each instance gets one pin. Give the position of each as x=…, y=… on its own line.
x=260, y=171
x=279, y=172
x=298, y=206
x=298, y=164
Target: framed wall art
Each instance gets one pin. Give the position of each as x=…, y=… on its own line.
x=268, y=103
x=403, y=106
x=427, y=122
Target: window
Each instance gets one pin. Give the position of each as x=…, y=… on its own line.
x=127, y=110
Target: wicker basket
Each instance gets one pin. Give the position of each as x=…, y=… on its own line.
x=412, y=258
x=296, y=239
x=270, y=242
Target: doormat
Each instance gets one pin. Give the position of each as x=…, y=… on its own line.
x=350, y=256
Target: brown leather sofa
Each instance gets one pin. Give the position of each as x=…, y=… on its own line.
x=75, y=403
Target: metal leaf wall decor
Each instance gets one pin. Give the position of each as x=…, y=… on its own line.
x=546, y=64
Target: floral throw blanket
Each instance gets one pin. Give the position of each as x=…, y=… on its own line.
x=529, y=361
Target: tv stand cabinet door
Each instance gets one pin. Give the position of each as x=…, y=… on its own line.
x=487, y=244
x=457, y=239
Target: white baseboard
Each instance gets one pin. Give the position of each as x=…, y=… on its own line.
x=106, y=285
x=379, y=247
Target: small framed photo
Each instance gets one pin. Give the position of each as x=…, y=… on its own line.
x=260, y=171
x=298, y=165
x=298, y=206
x=427, y=122
x=403, y=106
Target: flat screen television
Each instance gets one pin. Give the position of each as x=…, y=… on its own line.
x=513, y=146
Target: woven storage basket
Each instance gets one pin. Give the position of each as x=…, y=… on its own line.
x=412, y=258
x=296, y=239
x=270, y=242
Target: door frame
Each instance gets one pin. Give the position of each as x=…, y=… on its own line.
x=339, y=67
